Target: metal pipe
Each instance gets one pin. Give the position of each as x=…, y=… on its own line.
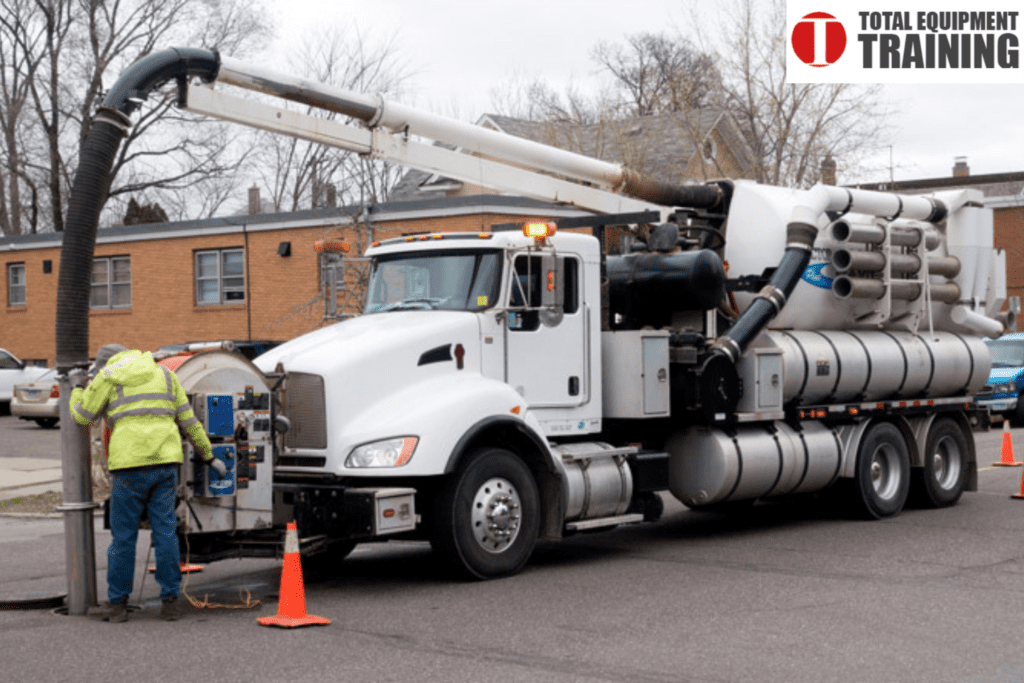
x=845, y=259
x=946, y=266
x=78, y=506
x=872, y=233
x=874, y=261
x=846, y=287
x=976, y=322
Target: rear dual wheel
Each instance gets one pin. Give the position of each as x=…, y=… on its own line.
x=882, y=478
x=944, y=476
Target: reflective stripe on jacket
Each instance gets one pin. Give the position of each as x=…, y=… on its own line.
x=145, y=407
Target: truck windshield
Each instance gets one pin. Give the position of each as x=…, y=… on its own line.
x=435, y=280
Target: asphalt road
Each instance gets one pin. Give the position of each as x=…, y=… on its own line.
x=786, y=592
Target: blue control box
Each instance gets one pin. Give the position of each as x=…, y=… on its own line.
x=220, y=415
x=216, y=486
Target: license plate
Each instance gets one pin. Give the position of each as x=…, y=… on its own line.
x=31, y=394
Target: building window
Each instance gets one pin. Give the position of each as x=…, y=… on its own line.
x=15, y=284
x=111, y=282
x=220, y=277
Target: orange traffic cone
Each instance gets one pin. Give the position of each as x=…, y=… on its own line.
x=1006, y=459
x=291, y=605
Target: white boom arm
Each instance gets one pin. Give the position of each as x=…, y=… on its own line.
x=487, y=158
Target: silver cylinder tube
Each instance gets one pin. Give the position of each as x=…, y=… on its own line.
x=872, y=233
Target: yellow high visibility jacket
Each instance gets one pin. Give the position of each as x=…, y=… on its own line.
x=145, y=406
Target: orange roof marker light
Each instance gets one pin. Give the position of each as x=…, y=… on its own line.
x=331, y=246
x=539, y=231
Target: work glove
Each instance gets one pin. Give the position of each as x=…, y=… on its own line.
x=218, y=466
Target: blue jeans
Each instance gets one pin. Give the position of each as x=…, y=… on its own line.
x=132, y=491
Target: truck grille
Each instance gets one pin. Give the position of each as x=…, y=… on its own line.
x=304, y=406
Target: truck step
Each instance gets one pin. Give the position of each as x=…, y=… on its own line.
x=587, y=524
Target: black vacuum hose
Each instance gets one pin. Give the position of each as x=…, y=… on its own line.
x=92, y=183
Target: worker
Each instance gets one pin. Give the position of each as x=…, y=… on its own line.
x=145, y=406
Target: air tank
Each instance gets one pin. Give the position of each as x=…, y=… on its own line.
x=647, y=288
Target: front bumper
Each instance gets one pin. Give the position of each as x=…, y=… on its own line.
x=341, y=512
x=34, y=410
x=998, y=405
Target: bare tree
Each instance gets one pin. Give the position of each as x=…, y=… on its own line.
x=296, y=172
x=656, y=73
x=791, y=127
x=19, y=61
x=58, y=56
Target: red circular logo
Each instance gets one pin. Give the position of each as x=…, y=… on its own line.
x=819, y=39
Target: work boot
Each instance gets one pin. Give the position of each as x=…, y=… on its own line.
x=172, y=609
x=112, y=612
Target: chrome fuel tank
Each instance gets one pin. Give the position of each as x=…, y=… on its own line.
x=708, y=465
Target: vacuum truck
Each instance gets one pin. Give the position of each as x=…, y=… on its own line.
x=742, y=343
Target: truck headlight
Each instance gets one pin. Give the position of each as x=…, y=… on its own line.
x=388, y=453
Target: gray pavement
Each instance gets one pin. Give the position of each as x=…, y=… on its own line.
x=784, y=593
x=27, y=476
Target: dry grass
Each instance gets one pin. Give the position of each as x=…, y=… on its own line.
x=46, y=503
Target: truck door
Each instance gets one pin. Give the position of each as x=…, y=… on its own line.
x=546, y=349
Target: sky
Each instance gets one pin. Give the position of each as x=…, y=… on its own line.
x=461, y=51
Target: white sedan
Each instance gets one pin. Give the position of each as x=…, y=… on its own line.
x=38, y=400
x=14, y=371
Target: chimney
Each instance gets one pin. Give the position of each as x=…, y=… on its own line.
x=254, y=200
x=332, y=195
x=960, y=167
x=828, y=170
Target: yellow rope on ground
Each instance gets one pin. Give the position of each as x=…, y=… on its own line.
x=244, y=595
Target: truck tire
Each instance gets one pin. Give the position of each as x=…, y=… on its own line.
x=882, y=479
x=944, y=476
x=487, y=516
x=1016, y=416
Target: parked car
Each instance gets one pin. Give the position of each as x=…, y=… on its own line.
x=38, y=400
x=247, y=347
x=1001, y=393
x=14, y=371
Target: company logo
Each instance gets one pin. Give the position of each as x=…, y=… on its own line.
x=818, y=39
x=814, y=276
x=904, y=41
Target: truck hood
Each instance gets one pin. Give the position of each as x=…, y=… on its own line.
x=367, y=363
x=386, y=343
x=1002, y=375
